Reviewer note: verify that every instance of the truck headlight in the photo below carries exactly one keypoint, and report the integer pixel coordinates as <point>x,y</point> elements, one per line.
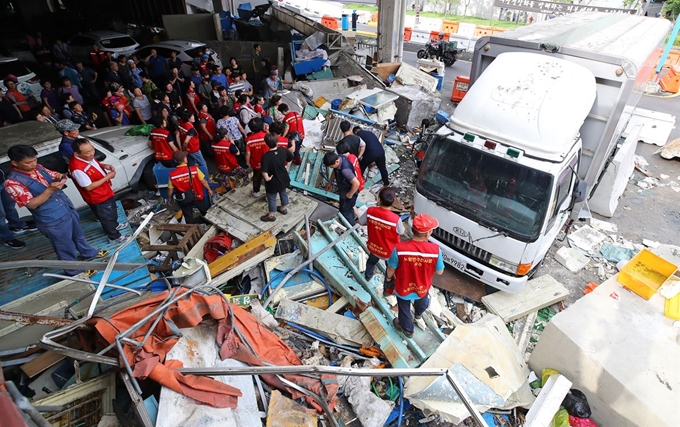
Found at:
<point>503,265</point>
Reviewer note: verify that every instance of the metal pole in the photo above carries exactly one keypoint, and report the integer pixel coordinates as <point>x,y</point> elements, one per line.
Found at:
<point>669,45</point>
<point>304,264</point>
<point>112,262</point>
<point>476,416</point>
<point>319,369</point>
<point>92,282</point>
<point>58,264</point>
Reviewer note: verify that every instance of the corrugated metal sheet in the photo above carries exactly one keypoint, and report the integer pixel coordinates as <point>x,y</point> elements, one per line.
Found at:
<point>23,281</point>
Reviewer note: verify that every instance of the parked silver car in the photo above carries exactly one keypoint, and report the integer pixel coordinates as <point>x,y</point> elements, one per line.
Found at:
<point>186,50</point>
<point>81,44</point>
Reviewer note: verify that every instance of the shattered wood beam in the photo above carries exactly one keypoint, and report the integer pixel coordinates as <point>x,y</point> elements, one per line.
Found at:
<point>238,255</point>
<point>31,319</point>
<point>69,265</point>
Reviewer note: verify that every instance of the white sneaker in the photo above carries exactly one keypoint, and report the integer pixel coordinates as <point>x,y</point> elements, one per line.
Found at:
<point>256,195</point>
<point>121,226</point>
<point>123,238</point>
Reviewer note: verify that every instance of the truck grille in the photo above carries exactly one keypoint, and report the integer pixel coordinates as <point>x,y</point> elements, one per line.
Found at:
<point>462,245</point>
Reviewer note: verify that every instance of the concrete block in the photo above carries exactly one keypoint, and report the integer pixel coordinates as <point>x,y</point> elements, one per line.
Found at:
<point>572,259</point>
<point>621,351</point>
<point>605,199</point>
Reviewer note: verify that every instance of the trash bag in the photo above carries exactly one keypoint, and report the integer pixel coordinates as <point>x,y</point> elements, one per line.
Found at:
<point>545,374</point>
<point>140,130</point>
<point>576,404</point>
<point>581,422</point>
<point>561,419</point>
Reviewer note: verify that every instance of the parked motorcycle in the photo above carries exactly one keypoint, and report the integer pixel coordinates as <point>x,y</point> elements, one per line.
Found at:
<point>447,54</point>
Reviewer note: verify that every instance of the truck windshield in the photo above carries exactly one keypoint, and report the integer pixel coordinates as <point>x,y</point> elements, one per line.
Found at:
<point>495,192</point>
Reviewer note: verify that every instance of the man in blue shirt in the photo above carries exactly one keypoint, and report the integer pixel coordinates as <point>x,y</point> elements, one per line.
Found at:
<point>69,132</point>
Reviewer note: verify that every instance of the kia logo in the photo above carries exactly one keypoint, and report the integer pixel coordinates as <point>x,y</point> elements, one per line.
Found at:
<point>459,231</point>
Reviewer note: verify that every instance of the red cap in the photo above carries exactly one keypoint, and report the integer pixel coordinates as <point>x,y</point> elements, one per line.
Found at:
<point>423,223</point>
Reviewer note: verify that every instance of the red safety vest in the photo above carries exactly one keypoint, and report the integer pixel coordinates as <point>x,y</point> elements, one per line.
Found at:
<point>417,265</point>
<point>159,141</point>
<point>209,125</point>
<point>97,195</point>
<point>180,180</point>
<point>256,146</point>
<point>295,123</point>
<point>382,231</point>
<point>194,144</point>
<point>97,57</point>
<point>225,161</point>
<point>357,169</point>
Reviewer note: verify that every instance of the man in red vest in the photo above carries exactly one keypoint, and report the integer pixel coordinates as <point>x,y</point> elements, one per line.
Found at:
<point>412,266</point>
<point>162,142</point>
<point>294,129</point>
<point>183,179</point>
<point>255,149</point>
<point>93,180</point>
<point>384,229</point>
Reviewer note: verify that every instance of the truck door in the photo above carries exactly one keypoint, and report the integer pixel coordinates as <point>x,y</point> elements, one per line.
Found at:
<point>558,214</point>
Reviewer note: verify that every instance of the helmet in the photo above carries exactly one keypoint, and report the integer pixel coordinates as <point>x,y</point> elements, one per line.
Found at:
<point>115,86</point>
<point>441,35</point>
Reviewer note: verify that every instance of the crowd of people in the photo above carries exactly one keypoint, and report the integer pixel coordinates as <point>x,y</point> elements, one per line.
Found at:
<point>215,111</point>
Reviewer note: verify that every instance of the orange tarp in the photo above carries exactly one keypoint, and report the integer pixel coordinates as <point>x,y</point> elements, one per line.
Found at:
<point>259,347</point>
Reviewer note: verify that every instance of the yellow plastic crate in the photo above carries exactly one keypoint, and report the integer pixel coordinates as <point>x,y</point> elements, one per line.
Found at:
<point>672,309</point>
<point>645,273</point>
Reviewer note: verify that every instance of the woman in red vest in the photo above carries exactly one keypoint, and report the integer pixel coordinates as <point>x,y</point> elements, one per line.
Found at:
<point>185,178</point>
<point>226,152</point>
<point>412,266</point>
<point>162,142</point>
<point>93,180</point>
<point>384,229</point>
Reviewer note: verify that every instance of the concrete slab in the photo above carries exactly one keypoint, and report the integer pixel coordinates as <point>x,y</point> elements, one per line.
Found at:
<point>621,352</point>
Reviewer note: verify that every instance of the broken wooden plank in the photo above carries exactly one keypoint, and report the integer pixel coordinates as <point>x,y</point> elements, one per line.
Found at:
<point>538,293</point>
<point>242,253</point>
<point>42,362</point>
<point>341,329</point>
<point>238,213</point>
<point>39,318</point>
<point>525,335</point>
<point>388,339</point>
<point>337,305</point>
<point>459,283</point>
<point>247,262</point>
<point>284,412</point>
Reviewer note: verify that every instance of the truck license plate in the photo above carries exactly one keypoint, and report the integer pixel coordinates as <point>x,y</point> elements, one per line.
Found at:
<point>454,262</point>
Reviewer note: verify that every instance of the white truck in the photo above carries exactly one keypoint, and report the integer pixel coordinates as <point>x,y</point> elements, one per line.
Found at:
<point>130,155</point>
<point>543,117</point>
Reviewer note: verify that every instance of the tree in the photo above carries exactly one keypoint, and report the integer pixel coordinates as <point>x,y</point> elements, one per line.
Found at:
<point>671,8</point>
<point>466,3</point>
<point>447,6</point>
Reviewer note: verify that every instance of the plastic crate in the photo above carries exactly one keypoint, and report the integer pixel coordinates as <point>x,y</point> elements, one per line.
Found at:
<point>450,46</point>
<point>645,273</point>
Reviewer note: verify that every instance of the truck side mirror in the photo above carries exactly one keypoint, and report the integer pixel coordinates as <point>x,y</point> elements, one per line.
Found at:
<point>580,192</point>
